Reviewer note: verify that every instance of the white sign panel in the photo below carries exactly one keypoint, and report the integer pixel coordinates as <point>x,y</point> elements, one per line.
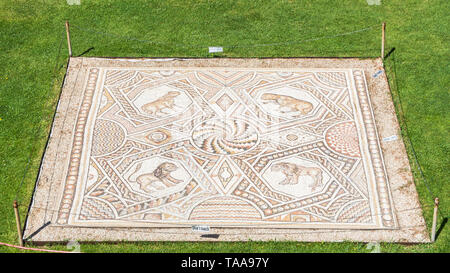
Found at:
<point>200,228</point>
<point>214,49</point>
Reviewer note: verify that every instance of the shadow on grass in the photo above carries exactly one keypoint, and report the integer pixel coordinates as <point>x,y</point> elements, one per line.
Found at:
<point>86,51</point>
<point>389,53</point>
<point>441,227</point>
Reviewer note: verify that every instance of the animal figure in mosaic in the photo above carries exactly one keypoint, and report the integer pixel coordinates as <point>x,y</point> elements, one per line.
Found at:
<point>293,171</point>
<point>165,102</point>
<point>149,182</point>
<point>291,103</point>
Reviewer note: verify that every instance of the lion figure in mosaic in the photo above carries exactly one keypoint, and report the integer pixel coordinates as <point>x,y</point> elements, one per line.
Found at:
<point>293,171</point>
<point>149,182</point>
<point>165,102</point>
<point>291,103</point>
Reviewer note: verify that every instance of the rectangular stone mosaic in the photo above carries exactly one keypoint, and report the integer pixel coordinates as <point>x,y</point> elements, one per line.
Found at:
<point>305,149</point>
<point>226,147</point>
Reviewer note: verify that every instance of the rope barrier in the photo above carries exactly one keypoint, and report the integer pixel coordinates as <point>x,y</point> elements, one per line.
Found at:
<point>227,234</point>
<point>281,232</point>
<point>403,121</point>
<point>308,40</point>
<point>40,124</point>
<point>34,249</point>
<point>223,46</point>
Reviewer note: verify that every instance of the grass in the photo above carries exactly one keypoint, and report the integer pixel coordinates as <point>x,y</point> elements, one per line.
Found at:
<point>32,69</point>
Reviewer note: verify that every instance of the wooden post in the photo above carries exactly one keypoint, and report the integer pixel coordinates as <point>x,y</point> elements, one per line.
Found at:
<point>433,228</point>
<point>383,28</point>
<point>69,46</point>
<point>19,228</point>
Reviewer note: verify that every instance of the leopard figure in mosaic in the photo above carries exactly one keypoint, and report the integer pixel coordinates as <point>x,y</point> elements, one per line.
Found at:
<point>292,173</point>
<point>291,103</point>
<point>165,102</point>
<point>148,182</point>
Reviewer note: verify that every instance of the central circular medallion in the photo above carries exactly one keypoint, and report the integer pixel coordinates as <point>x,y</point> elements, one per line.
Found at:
<point>224,136</point>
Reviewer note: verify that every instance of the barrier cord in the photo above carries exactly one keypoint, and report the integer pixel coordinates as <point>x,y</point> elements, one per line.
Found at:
<point>223,46</point>
<point>34,249</point>
<point>406,130</point>
<point>38,128</point>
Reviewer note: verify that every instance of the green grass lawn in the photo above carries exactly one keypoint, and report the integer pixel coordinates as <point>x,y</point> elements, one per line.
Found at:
<point>32,67</point>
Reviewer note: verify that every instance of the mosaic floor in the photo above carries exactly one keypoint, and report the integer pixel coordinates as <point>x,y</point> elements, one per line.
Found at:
<point>175,146</point>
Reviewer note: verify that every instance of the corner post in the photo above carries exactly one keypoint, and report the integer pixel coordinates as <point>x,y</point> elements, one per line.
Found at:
<point>383,30</point>
<point>435,212</point>
<point>19,228</point>
<point>69,46</point>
